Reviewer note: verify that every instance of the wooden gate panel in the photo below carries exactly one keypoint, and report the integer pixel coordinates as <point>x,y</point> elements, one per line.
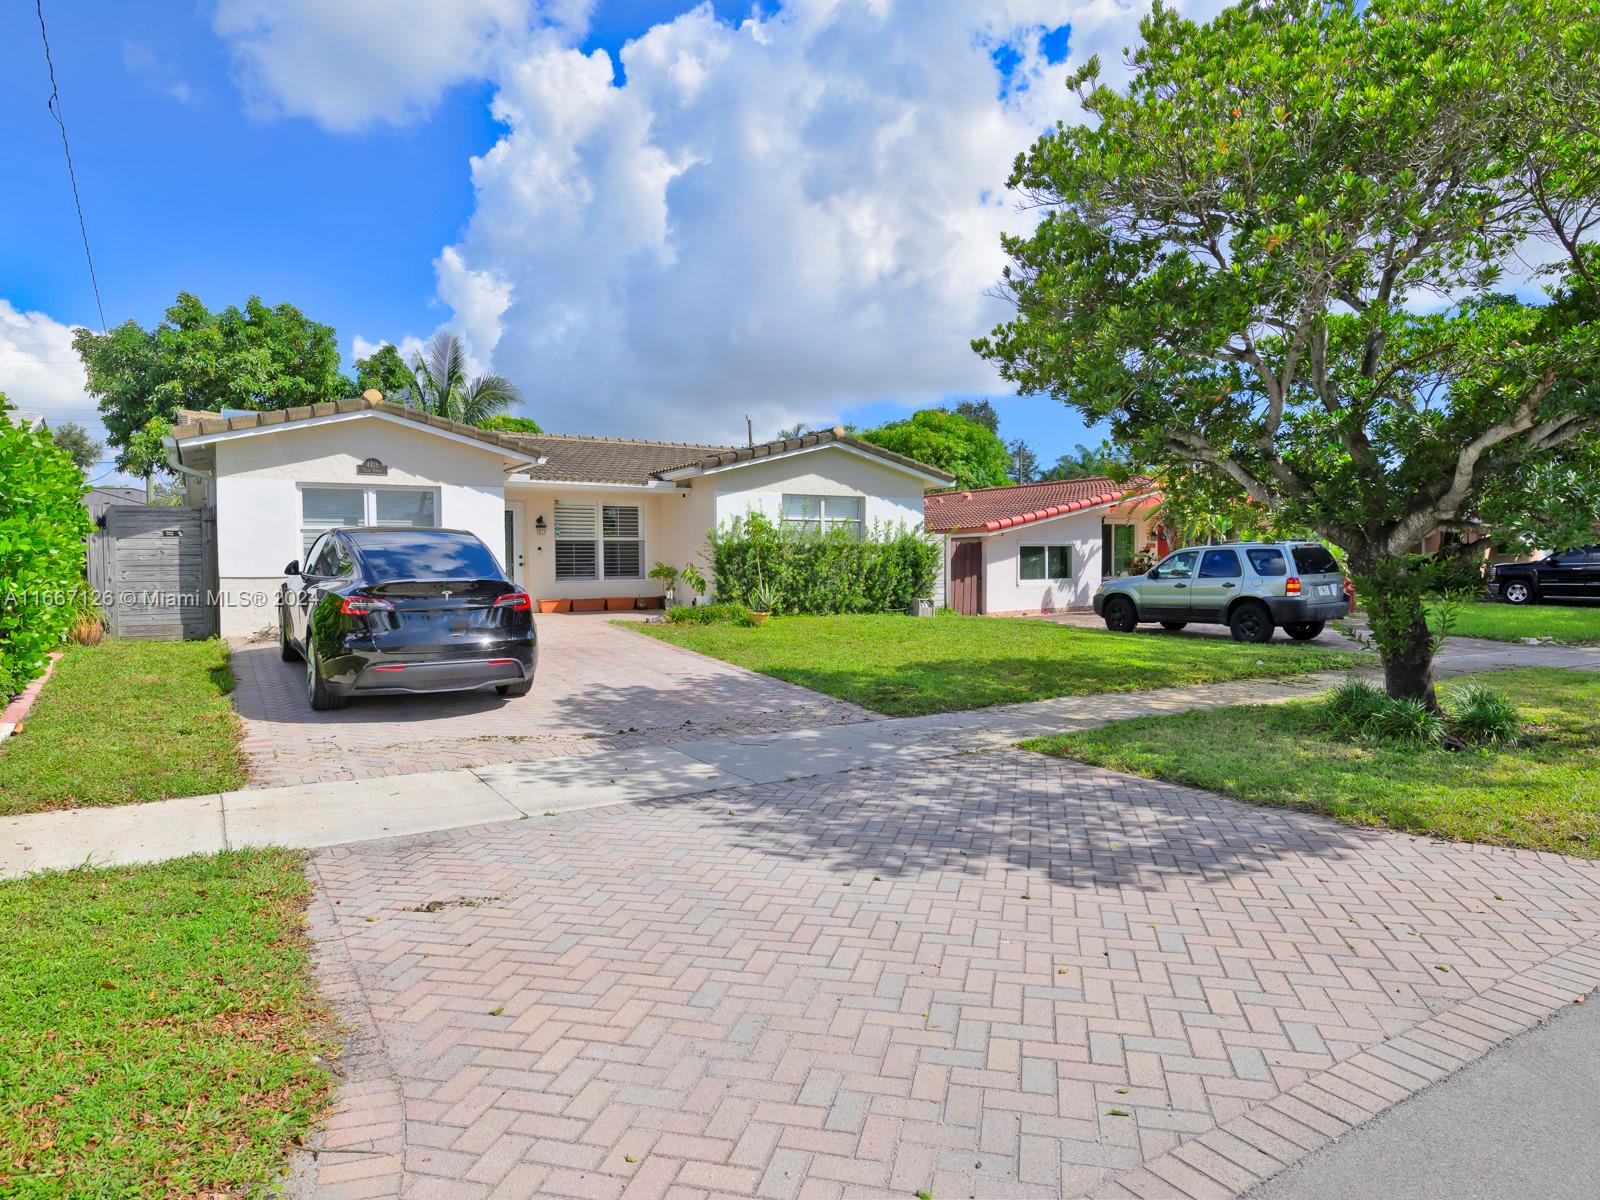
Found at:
<point>155,569</point>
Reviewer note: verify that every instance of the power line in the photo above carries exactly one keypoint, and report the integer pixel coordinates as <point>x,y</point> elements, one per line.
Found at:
<point>55,111</point>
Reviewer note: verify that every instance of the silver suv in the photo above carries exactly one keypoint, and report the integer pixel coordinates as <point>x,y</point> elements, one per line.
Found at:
<point>1250,587</point>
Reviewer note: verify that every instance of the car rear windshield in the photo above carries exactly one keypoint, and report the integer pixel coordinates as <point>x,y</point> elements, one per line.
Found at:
<point>424,554</point>
<point>1314,560</point>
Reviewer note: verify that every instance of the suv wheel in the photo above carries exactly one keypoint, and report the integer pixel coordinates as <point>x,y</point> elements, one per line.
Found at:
<point>1304,631</point>
<point>1250,622</point>
<point>322,697</point>
<point>1174,626</point>
<point>1121,616</point>
<point>1517,591</point>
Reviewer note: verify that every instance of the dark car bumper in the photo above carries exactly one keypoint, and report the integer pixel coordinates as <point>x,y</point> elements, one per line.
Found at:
<point>399,673</point>
<point>1288,609</point>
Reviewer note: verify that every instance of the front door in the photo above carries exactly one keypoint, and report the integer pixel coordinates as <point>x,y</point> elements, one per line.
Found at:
<point>513,547</point>
<point>966,577</point>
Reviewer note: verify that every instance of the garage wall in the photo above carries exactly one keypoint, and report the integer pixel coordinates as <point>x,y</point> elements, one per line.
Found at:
<point>257,495</point>
<point>539,556</point>
<point>1006,591</point>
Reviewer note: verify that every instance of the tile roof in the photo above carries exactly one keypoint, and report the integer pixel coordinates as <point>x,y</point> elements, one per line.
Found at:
<point>987,510</point>
<point>568,458</point>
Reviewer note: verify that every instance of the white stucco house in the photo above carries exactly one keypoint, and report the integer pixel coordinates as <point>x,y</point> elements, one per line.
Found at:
<point>576,520</point>
<point>1040,547</point>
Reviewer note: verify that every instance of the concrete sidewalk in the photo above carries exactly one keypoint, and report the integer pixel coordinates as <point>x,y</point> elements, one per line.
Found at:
<point>327,814</point>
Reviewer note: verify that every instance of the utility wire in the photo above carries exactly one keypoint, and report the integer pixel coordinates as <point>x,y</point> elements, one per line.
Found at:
<point>55,111</point>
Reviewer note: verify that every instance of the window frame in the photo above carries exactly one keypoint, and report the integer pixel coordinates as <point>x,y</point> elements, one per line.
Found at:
<point>1069,548</point>
<point>600,540</point>
<point>369,505</point>
<point>1231,551</point>
<point>822,522</point>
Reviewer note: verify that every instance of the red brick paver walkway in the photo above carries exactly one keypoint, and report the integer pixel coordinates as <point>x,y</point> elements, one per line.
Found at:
<point>993,975</point>
<point>598,687</point>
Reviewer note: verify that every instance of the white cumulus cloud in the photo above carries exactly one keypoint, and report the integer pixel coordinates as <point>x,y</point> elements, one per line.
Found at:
<point>39,369</point>
<point>352,63</point>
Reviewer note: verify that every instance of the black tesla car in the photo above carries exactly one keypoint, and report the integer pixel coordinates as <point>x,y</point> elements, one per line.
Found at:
<point>380,611</point>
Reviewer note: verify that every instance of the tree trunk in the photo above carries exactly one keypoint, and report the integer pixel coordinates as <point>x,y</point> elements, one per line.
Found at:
<point>1408,663</point>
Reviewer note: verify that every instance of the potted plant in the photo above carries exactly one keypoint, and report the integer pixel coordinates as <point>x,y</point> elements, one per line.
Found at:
<point>762,601</point>
<point>667,574</point>
<point>691,575</point>
<point>87,623</point>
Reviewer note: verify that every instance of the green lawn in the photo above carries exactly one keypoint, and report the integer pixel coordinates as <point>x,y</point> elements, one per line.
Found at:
<point>912,665</point>
<point>159,1028</point>
<point>1569,624</point>
<point>1544,795</point>
<point>122,722</point>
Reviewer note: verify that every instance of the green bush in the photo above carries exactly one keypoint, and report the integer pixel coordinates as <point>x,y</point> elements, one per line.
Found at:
<point>1482,716</point>
<point>43,525</point>
<point>1347,708</point>
<point>1407,722</point>
<point>710,614</point>
<point>833,572</point>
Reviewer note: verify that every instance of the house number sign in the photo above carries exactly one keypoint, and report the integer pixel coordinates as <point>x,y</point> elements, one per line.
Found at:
<point>372,466</point>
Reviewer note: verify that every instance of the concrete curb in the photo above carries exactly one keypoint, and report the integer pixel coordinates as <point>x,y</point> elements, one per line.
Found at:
<point>23,701</point>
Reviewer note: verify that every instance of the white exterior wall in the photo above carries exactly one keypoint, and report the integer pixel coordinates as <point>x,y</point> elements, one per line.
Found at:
<point>893,496</point>
<point>1005,591</point>
<point>257,493</point>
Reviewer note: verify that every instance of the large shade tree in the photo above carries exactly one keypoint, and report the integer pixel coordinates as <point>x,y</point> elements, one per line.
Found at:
<point>1290,252</point>
<point>969,451</point>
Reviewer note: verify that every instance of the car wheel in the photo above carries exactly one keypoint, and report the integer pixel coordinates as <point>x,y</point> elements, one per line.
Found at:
<point>1250,623</point>
<point>322,697</point>
<point>1174,626</point>
<point>1304,631</point>
<point>1121,616</point>
<point>286,650</point>
<point>515,689</point>
<point>1517,592</point>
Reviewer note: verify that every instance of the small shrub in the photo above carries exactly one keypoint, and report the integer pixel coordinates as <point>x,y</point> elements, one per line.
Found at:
<point>1347,708</point>
<point>711,614</point>
<point>1482,716</point>
<point>1407,722</point>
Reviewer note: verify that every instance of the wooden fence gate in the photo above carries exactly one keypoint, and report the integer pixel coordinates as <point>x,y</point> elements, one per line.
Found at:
<point>155,570</point>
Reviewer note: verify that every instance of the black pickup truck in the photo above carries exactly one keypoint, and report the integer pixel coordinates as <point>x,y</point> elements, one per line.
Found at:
<point>1570,575</point>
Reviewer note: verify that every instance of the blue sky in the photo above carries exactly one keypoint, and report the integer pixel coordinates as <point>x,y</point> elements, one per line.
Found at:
<point>197,175</point>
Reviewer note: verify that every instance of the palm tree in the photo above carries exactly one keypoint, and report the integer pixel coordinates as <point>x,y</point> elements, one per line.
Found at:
<point>797,430</point>
<point>442,386</point>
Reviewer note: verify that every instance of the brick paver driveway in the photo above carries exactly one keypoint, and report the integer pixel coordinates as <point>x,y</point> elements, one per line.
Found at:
<point>991,975</point>
<point>598,687</point>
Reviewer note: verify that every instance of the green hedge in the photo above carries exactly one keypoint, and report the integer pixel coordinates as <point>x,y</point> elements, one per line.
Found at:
<point>832,572</point>
<point>43,525</point>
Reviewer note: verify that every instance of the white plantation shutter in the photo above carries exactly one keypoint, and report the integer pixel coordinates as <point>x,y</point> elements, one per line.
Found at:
<point>577,527</point>
<point>624,545</point>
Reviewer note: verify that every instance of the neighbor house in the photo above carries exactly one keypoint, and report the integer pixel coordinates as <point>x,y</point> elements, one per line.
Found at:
<point>573,519</point>
<point>1040,547</point>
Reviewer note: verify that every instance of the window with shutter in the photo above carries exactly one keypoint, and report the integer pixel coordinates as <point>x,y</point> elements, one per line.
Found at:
<point>623,541</point>
<point>577,526</point>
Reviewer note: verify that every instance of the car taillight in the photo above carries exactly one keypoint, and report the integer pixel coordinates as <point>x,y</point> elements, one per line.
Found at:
<point>360,606</point>
<point>515,601</point>
<point>1291,586</point>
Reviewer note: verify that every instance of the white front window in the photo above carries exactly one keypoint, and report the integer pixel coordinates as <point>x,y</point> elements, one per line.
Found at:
<point>815,514</point>
<point>591,538</point>
<point>1040,563</point>
<point>324,508</point>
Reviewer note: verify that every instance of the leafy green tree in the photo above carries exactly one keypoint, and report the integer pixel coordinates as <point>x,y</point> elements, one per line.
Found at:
<point>502,423</point>
<point>1024,466</point>
<point>980,412</point>
<point>258,357</point>
<point>1244,252</point>
<point>75,440</point>
<point>442,386</point>
<point>145,454</point>
<point>385,371</point>
<point>5,403</point>
<point>973,454</point>
<point>1554,504</point>
<point>1087,461</point>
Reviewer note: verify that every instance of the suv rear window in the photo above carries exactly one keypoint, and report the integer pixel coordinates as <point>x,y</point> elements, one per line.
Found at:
<point>424,554</point>
<point>1314,560</point>
<point>1268,564</point>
